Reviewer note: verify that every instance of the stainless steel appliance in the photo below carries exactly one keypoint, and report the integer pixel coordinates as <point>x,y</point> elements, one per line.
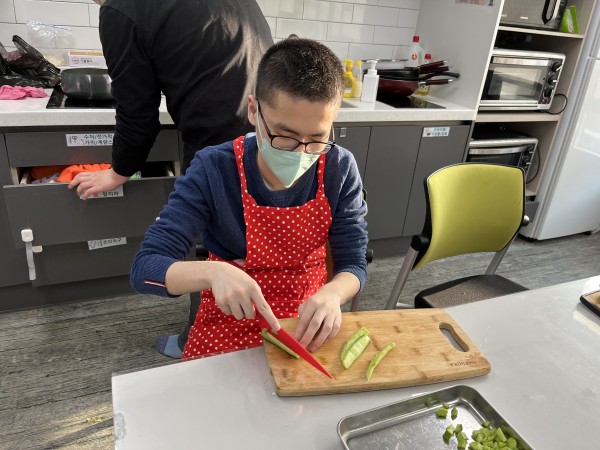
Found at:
<point>543,14</point>
<point>505,147</point>
<point>521,80</point>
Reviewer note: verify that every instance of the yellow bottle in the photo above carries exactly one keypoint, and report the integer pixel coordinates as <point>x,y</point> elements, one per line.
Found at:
<point>348,79</point>
<point>357,89</point>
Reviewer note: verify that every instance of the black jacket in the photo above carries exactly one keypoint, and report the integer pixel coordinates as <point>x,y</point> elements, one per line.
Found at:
<point>202,54</point>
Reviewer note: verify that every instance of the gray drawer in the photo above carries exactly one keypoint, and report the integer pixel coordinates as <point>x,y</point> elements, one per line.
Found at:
<point>50,148</point>
<point>57,216</point>
<point>76,262</point>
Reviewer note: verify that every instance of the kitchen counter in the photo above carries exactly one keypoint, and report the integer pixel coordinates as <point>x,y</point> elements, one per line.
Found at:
<point>32,112</point>
<point>543,345</point>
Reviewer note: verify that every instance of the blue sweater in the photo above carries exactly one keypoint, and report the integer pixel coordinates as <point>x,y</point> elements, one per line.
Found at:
<point>207,203</point>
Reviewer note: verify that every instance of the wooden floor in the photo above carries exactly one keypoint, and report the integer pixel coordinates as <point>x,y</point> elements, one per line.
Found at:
<point>56,362</point>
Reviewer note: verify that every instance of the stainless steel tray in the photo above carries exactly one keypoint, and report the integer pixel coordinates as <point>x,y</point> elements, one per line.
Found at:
<point>412,423</point>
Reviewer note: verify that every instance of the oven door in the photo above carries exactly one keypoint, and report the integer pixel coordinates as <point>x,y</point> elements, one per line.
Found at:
<point>515,83</point>
<point>508,156</point>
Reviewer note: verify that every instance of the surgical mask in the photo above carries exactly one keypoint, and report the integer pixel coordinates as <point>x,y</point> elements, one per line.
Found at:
<point>287,166</point>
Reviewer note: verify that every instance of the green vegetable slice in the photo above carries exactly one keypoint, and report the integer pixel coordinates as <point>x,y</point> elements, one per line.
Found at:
<point>277,343</point>
<point>351,341</point>
<point>355,351</point>
<point>454,413</point>
<point>377,359</point>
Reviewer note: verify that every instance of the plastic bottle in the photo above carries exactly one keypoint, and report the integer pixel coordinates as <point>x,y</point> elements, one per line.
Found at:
<point>415,53</point>
<point>348,79</point>
<point>358,80</point>
<point>424,90</point>
<point>370,83</point>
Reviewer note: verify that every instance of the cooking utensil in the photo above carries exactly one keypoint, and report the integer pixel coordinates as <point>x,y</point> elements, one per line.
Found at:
<point>86,83</point>
<point>423,354</point>
<point>403,75</point>
<point>414,72</point>
<point>415,421</point>
<point>285,338</point>
<point>405,88</point>
<point>592,301</point>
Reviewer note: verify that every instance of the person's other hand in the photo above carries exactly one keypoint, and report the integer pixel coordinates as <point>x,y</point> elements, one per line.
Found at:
<point>93,183</point>
<point>320,319</point>
<point>237,293</point>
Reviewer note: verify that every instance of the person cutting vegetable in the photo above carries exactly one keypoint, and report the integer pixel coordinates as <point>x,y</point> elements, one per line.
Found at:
<point>265,205</point>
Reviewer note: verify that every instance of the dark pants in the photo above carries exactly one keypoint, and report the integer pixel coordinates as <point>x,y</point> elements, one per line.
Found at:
<point>195,298</point>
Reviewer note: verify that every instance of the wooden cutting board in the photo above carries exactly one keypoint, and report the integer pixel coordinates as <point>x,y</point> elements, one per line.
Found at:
<point>422,355</point>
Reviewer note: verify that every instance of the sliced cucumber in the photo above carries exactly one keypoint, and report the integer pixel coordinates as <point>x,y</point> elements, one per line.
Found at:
<point>355,351</point>
<point>277,343</point>
<point>377,359</point>
<point>351,341</point>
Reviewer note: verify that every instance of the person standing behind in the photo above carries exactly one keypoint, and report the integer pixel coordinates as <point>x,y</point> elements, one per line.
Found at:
<point>203,56</point>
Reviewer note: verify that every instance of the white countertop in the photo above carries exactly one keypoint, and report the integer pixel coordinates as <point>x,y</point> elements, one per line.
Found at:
<point>543,345</point>
<point>32,112</point>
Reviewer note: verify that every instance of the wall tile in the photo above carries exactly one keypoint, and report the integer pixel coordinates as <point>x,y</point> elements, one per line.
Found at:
<point>7,11</point>
<point>393,36</point>
<point>8,30</point>
<point>374,15</point>
<point>343,32</point>
<point>361,2</point>
<point>282,8</point>
<point>407,18</point>
<point>86,39</point>
<point>272,21</point>
<point>303,28</point>
<point>408,4</point>
<point>328,11</point>
<point>55,13</point>
<point>94,13</point>
<point>339,48</point>
<point>369,51</point>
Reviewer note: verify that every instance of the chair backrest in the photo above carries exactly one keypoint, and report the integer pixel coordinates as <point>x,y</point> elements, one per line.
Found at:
<point>471,208</point>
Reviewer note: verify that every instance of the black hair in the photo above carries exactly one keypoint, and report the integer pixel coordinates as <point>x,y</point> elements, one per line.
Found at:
<point>303,68</point>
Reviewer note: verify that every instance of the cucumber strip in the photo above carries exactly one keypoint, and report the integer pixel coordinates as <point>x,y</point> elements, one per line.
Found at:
<point>277,343</point>
<point>352,340</point>
<point>377,359</point>
<point>355,351</point>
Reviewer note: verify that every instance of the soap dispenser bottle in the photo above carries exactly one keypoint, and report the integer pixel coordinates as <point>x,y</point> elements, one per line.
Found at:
<point>370,83</point>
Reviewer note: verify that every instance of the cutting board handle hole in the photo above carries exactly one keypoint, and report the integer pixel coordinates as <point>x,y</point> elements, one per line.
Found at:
<point>456,342</point>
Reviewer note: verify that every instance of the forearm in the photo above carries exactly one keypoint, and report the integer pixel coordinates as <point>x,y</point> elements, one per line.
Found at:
<point>343,287</point>
<point>184,277</point>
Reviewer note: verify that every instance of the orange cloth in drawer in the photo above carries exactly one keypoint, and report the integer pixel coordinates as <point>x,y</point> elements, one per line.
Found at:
<point>69,173</point>
<point>40,172</point>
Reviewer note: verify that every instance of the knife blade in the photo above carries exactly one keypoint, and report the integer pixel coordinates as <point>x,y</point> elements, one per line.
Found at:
<point>287,339</point>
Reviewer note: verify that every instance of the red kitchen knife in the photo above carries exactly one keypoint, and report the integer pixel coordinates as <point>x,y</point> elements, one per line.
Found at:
<point>287,339</point>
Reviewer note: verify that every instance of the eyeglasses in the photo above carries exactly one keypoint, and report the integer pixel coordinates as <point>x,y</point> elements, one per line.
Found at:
<point>289,144</point>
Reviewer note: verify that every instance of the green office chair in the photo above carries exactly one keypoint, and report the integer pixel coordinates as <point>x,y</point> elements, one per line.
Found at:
<point>471,208</point>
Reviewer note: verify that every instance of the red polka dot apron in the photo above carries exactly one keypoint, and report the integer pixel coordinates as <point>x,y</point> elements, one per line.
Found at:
<point>285,255</point>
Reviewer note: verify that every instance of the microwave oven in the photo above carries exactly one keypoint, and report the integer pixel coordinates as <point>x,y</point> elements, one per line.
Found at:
<point>521,80</point>
<point>542,14</point>
<point>503,147</point>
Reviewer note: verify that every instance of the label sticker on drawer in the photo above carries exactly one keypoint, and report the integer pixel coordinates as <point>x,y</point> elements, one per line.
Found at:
<point>102,243</point>
<point>118,192</point>
<point>89,139</point>
<point>436,131</point>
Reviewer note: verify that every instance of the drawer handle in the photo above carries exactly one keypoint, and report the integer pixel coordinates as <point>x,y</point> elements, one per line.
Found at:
<point>30,249</point>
